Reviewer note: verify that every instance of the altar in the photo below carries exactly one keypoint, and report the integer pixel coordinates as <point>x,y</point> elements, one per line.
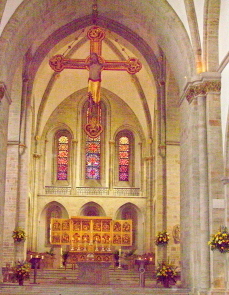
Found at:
<point>92,241</point>
<point>96,273</point>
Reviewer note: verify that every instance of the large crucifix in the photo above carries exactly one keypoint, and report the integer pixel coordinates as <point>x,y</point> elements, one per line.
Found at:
<point>95,64</point>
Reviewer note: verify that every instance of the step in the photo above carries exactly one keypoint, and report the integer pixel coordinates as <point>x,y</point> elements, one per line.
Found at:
<point>57,289</point>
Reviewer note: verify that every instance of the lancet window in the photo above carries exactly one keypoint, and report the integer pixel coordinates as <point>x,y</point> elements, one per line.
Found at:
<point>93,154</point>
<point>63,153</point>
<point>125,158</point>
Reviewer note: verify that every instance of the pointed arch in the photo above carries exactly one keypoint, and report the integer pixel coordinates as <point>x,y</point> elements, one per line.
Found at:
<point>131,211</point>
<point>92,209</point>
<point>51,210</point>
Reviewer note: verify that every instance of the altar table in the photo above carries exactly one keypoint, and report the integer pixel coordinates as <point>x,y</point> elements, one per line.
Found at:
<point>91,272</point>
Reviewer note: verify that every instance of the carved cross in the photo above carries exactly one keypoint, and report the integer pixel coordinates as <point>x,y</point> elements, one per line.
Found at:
<point>95,35</point>
<point>95,64</point>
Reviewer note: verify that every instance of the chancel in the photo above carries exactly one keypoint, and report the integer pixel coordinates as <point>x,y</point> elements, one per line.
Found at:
<point>91,242</point>
<point>114,147</point>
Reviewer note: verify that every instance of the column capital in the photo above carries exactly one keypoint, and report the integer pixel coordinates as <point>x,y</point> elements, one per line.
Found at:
<point>149,158</point>
<point>225,180</point>
<point>201,86</point>
<point>3,93</point>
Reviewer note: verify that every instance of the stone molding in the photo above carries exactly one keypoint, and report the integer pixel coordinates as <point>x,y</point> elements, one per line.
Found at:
<point>3,93</point>
<point>225,180</point>
<point>201,85</point>
<point>202,89</point>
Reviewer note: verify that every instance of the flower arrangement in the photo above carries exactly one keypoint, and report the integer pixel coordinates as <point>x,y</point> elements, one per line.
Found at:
<point>220,240</point>
<point>162,238</point>
<point>166,273</point>
<point>19,234</point>
<point>21,271</point>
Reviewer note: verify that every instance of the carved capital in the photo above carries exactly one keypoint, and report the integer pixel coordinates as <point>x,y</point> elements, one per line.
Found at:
<point>202,89</point>
<point>150,158</point>
<point>225,180</point>
<point>36,156</point>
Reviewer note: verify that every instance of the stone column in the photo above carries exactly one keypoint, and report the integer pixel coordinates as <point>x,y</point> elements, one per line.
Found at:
<point>207,157</point>
<point>111,165</point>
<point>73,166</point>
<point>23,166</point>
<point>149,204</point>
<point>203,194</point>
<point>4,113</point>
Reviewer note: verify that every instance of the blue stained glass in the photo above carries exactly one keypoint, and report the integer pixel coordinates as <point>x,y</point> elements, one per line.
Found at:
<point>62,175</point>
<point>124,158</point>
<point>62,157</point>
<point>92,159</point>
<point>123,168</point>
<point>93,152</point>
<point>92,173</point>
<point>123,176</point>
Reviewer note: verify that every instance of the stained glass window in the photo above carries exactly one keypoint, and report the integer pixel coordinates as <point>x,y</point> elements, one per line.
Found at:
<point>93,156</point>
<point>62,157</point>
<point>93,146</point>
<point>124,158</point>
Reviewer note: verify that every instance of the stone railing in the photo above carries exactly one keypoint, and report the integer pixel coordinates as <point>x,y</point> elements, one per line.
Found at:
<point>92,191</point>
<point>58,190</point>
<point>124,191</point>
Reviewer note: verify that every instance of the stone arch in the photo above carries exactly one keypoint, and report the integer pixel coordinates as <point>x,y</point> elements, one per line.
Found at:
<point>92,209</point>
<point>131,211</point>
<point>52,209</point>
<point>72,19</point>
<point>210,42</point>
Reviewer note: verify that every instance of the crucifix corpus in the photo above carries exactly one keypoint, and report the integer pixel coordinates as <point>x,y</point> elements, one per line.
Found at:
<point>95,64</point>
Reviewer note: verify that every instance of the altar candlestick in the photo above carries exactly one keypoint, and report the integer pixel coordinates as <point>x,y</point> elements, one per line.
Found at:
<point>78,248</point>
<point>119,260</point>
<point>96,244</point>
<point>109,241</point>
<point>85,241</point>
<point>102,240</point>
<point>72,248</point>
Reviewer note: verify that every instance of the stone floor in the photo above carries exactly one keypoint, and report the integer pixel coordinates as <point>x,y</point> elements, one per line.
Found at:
<point>61,289</point>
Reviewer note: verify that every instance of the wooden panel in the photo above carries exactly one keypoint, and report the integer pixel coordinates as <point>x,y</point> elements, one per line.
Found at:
<point>79,231</point>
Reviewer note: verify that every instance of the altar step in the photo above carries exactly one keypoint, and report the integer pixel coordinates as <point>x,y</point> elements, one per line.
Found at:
<point>117,277</point>
<point>69,276</point>
<point>64,282</point>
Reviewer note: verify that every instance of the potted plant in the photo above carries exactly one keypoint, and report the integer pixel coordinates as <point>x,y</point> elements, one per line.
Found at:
<point>220,240</point>
<point>162,238</point>
<point>18,234</point>
<point>166,274</point>
<point>21,271</point>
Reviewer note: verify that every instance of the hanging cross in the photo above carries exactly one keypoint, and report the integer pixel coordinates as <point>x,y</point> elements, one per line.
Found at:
<point>95,64</point>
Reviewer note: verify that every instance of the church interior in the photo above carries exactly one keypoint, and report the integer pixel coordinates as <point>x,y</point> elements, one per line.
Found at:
<point>114,131</point>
